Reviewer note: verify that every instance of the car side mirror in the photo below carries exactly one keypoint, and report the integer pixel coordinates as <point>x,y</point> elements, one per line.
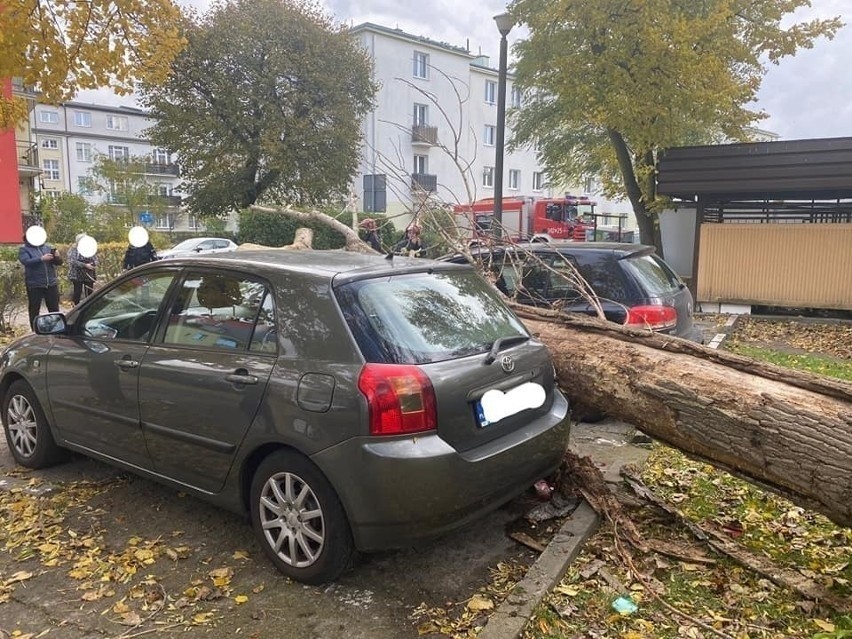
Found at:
<point>198,249</point>
<point>50,324</point>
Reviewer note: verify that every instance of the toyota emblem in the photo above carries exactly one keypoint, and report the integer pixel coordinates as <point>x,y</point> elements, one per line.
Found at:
<point>507,364</point>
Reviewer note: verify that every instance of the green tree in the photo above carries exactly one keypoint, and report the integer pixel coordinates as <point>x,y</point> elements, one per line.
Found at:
<point>128,191</point>
<point>611,83</point>
<point>60,46</point>
<point>65,217</point>
<point>264,105</point>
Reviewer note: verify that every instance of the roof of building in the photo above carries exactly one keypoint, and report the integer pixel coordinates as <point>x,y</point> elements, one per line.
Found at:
<point>125,110</point>
<point>399,33</point>
<point>815,169</point>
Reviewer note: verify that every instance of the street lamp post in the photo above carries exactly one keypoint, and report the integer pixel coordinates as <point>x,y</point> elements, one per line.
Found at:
<point>504,25</point>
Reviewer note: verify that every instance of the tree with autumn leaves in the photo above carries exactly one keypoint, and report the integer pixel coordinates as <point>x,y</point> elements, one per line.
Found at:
<point>612,83</point>
<point>58,47</point>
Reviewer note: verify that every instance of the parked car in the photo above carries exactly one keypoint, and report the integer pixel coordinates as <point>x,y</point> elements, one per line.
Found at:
<point>344,401</point>
<point>198,246</point>
<point>634,285</point>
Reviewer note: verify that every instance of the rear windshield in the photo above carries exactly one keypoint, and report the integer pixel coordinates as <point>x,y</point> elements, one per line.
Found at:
<point>425,317</point>
<point>655,276</point>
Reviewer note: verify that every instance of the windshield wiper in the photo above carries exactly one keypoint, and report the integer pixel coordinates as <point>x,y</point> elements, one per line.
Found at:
<point>502,342</point>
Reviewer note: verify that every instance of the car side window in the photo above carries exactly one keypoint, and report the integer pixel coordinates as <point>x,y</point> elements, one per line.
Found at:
<point>219,244</point>
<point>204,246</point>
<point>221,311</point>
<point>562,273</point>
<point>128,310</point>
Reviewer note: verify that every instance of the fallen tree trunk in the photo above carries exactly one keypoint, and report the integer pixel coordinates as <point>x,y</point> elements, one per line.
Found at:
<point>785,430</point>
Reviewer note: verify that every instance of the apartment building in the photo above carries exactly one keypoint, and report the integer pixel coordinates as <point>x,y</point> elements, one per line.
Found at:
<point>434,128</point>
<point>70,138</point>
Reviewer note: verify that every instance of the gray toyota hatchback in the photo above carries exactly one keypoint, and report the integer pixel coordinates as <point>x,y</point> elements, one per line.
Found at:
<point>343,401</point>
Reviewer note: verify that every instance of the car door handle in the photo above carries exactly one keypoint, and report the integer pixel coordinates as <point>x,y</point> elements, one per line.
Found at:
<point>242,378</point>
<point>126,364</point>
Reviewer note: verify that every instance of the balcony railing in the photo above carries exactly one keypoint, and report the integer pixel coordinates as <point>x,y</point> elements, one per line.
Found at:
<point>424,182</point>
<point>162,169</point>
<point>28,159</point>
<point>423,134</point>
<point>150,200</point>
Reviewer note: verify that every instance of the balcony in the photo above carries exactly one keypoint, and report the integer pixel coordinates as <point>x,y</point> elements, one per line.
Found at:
<point>424,182</point>
<point>150,200</point>
<point>422,134</point>
<point>162,169</point>
<point>27,159</point>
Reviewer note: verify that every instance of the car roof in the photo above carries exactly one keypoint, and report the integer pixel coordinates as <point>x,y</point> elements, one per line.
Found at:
<point>339,265</point>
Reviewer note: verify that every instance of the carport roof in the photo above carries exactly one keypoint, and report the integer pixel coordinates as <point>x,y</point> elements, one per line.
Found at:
<point>817,169</point>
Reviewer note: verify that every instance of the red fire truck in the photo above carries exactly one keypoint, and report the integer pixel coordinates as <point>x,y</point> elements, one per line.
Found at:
<point>527,217</point>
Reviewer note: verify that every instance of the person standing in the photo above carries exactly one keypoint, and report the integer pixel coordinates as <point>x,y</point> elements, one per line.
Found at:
<point>137,255</point>
<point>40,261</point>
<point>81,271</point>
<point>372,232</point>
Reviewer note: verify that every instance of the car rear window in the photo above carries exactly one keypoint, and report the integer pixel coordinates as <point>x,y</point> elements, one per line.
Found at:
<point>425,317</point>
<point>654,275</point>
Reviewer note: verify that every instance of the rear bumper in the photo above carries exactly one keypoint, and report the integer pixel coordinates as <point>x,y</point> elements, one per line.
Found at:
<point>397,491</point>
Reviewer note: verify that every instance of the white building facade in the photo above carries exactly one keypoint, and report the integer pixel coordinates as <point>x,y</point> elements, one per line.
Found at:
<point>434,127</point>
<point>71,137</point>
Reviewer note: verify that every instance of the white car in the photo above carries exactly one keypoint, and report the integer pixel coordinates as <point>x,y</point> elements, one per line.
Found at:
<point>198,246</point>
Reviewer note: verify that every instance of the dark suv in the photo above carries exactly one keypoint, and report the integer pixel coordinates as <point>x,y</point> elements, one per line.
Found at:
<point>342,400</point>
<point>635,286</point>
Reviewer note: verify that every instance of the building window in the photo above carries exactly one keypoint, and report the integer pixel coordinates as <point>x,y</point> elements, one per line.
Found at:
<point>514,179</point>
<point>375,193</point>
<point>490,135</point>
<point>193,223</point>
<point>164,222</point>
<point>50,143</point>
<point>421,65</point>
<point>51,169</point>
<point>538,181</point>
<point>84,152</point>
<point>516,97</point>
<point>50,194</point>
<point>83,118</point>
<point>164,190</point>
<point>116,123</point>
<point>421,114</point>
<point>490,92</point>
<point>488,176</point>
<point>84,185</point>
<point>48,117</point>
<point>589,185</point>
<point>119,153</point>
<point>421,164</point>
<point>160,156</point>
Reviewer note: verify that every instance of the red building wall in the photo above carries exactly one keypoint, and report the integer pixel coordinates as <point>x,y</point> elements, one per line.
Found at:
<point>10,197</point>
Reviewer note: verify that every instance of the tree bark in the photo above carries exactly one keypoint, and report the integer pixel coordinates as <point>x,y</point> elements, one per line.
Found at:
<point>784,430</point>
<point>353,242</point>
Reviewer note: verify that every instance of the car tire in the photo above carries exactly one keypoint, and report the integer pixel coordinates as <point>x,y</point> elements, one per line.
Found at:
<point>27,431</point>
<point>312,549</point>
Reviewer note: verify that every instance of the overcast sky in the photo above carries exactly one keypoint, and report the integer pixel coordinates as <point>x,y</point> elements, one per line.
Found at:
<point>809,95</point>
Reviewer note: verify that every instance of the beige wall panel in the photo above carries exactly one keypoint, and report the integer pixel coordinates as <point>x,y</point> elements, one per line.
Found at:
<point>794,265</point>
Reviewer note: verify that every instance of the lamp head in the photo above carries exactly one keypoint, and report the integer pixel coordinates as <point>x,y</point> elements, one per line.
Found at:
<point>505,22</point>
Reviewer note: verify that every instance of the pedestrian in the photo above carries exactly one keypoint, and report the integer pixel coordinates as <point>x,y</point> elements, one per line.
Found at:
<point>140,250</point>
<point>40,261</point>
<point>413,244</point>
<point>373,239</point>
<point>81,271</point>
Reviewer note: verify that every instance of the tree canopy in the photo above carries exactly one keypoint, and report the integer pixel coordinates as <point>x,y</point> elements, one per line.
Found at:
<point>613,82</point>
<point>58,47</point>
<point>265,105</point>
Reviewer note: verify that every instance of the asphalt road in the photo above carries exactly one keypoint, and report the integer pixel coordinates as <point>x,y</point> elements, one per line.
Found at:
<point>114,515</point>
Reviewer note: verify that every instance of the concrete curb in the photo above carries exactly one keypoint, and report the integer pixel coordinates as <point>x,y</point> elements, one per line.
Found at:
<point>512,616</point>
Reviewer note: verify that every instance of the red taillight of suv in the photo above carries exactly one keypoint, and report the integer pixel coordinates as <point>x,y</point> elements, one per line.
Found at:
<point>400,399</point>
<point>657,318</point>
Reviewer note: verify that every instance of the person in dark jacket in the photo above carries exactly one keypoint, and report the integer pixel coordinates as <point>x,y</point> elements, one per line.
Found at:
<point>412,245</point>
<point>137,255</point>
<point>372,232</point>
<point>40,264</point>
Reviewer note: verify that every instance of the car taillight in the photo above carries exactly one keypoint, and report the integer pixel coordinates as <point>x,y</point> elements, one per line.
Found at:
<point>657,318</point>
<point>400,399</point>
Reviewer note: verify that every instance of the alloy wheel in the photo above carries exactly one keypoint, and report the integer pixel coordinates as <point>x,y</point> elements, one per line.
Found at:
<point>292,520</point>
<point>22,425</point>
